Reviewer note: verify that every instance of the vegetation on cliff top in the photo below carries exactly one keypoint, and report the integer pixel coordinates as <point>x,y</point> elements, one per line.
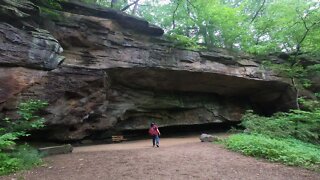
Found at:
<point>254,26</point>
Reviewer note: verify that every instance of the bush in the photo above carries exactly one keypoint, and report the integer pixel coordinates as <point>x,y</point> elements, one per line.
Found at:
<point>302,125</point>
<point>184,42</point>
<point>309,104</point>
<point>8,164</point>
<point>12,157</point>
<point>287,151</point>
<point>22,157</point>
<point>28,155</point>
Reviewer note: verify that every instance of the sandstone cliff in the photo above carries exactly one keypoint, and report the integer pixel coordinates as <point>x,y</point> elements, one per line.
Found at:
<point>104,71</point>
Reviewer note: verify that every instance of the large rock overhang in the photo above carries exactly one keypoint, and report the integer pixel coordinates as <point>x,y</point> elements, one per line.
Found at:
<point>139,60</point>
<point>270,95</point>
<point>201,82</point>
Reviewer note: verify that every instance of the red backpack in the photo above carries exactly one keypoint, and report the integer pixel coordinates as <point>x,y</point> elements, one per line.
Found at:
<point>153,131</point>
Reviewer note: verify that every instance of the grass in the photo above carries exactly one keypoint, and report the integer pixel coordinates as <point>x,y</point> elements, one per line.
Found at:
<point>287,151</point>
<point>22,158</point>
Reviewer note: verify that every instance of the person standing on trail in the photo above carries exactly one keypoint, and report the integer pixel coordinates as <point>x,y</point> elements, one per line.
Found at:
<point>155,133</point>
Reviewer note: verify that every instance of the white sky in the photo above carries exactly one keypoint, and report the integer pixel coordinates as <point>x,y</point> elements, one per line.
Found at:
<point>160,2</point>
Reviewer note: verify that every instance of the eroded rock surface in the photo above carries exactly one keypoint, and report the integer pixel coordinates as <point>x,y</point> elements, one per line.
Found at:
<point>33,49</point>
<point>119,74</point>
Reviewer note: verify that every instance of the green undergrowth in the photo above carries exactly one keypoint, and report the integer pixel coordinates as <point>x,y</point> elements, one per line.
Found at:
<point>52,4</point>
<point>290,138</point>
<point>287,151</point>
<point>51,14</point>
<point>14,157</point>
<point>21,158</point>
<point>297,124</point>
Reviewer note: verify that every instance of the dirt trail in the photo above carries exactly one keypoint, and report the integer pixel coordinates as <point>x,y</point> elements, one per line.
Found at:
<point>140,144</point>
<point>177,158</point>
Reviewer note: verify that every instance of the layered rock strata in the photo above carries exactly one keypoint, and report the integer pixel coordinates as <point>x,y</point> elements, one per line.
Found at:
<point>117,73</point>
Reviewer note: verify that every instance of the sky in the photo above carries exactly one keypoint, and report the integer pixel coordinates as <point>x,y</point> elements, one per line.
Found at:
<point>160,2</point>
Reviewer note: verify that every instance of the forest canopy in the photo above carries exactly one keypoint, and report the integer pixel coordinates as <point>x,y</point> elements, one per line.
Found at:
<point>254,26</point>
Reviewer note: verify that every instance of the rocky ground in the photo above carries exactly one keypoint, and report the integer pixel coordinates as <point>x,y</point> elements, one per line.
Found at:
<point>177,158</point>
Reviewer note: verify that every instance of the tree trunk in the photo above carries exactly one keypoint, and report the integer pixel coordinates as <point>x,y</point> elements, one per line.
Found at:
<point>135,8</point>
<point>297,90</point>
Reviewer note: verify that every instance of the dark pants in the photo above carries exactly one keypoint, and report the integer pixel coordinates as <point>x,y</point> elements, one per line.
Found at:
<point>155,140</point>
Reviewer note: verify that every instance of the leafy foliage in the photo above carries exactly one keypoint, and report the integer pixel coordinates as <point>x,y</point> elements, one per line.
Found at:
<point>254,26</point>
<point>287,69</point>
<point>52,4</point>
<point>184,42</point>
<point>23,157</point>
<point>315,67</point>
<point>288,151</point>
<point>116,4</point>
<point>12,157</point>
<point>309,104</point>
<point>302,125</point>
<point>27,121</point>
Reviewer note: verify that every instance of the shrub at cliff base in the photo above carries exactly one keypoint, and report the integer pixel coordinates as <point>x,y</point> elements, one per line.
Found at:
<point>290,138</point>
<point>298,124</point>
<point>12,156</point>
<point>288,151</point>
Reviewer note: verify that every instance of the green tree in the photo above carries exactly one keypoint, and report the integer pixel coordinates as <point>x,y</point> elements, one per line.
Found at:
<point>254,26</point>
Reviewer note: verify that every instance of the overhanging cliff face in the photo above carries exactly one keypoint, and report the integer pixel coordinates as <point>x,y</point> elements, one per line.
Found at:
<point>116,74</point>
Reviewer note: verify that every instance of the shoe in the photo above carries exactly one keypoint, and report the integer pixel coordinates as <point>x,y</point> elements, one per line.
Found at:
<point>157,145</point>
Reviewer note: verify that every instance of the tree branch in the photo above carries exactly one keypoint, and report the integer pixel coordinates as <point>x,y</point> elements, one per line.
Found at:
<point>189,11</point>
<point>191,4</point>
<point>135,8</point>
<point>129,5</point>
<point>298,46</point>
<point>259,10</point>
<point>174,14</point>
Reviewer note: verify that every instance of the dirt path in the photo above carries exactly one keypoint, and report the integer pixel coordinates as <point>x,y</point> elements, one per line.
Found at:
<point>177,158</point>
<point>141,144</point>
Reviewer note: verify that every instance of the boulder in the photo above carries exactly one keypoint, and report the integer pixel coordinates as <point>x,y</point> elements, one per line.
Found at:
<point>54,150</point>
<point>209,138</point>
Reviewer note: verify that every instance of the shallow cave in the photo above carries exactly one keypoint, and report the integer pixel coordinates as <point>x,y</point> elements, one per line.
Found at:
<point>264,96</point>
<point>183,130</point>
